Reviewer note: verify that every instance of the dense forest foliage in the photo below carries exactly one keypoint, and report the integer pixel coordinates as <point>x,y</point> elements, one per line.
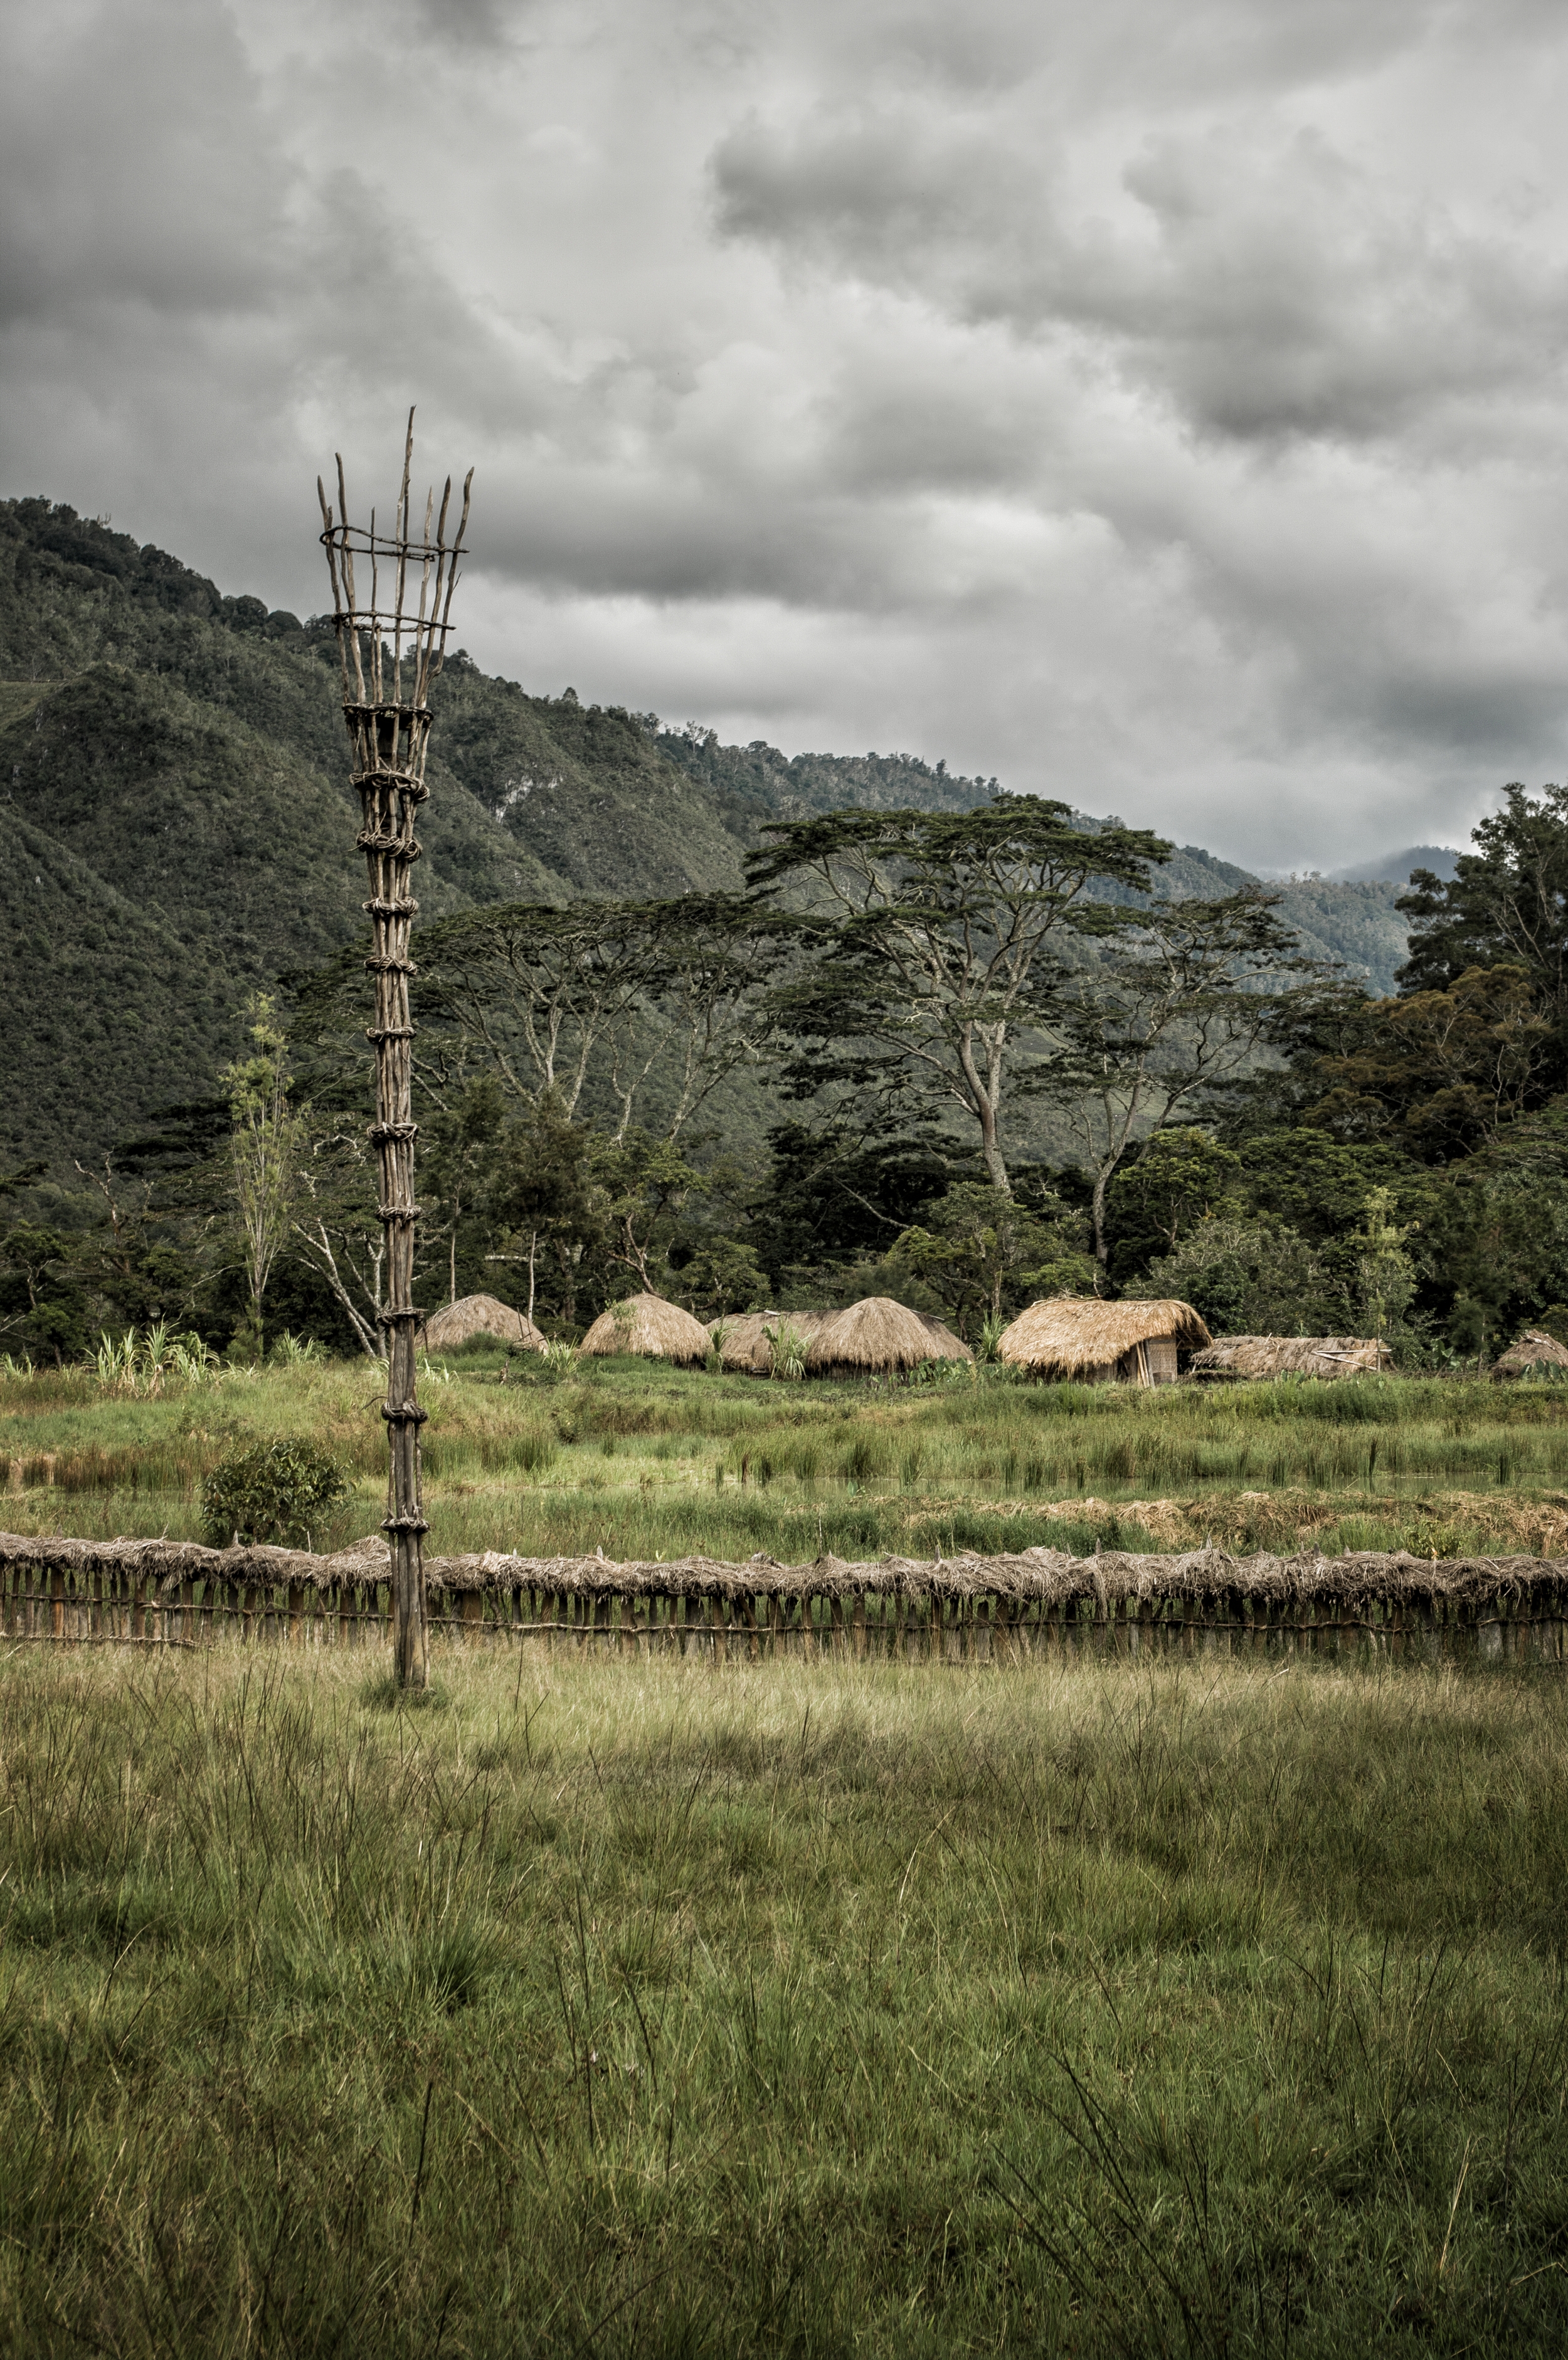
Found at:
<point>742,1028</point>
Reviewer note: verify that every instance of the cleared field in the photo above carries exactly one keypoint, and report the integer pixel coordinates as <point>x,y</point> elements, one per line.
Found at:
<point>635,2009</point>
<point>643,1461</point>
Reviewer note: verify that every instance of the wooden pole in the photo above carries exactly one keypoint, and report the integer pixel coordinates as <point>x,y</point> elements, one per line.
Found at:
<point>390,651</point>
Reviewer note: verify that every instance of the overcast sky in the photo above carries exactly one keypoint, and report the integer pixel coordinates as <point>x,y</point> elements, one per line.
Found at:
<point>1156,405</point>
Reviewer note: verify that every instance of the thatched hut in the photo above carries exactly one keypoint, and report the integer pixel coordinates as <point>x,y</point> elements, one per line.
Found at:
<point>647,1324</point>
<point>1292,1356</point>
<point>480,1315</point>
<point>1099,1343</point>
<point>1531,1355</point>
<point>877,1336</point>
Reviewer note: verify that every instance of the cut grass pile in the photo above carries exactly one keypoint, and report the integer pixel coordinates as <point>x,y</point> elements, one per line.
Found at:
<point>647,1461</point>
<point>633,2009</point>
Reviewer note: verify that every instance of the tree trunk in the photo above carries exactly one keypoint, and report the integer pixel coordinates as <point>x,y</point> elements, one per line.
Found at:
<point>1101,1182</point>
<point>990,1148</point>
<point>983,1105</point>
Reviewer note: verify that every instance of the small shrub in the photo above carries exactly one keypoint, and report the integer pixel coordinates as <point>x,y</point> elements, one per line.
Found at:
<point>291,1351</point>
<point>192,1360</point>
<point>790,1347</point>
<point>118,1363</point>
<point>281,1492</point>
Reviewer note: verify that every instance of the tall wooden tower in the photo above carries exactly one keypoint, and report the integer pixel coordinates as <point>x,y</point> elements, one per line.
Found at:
<point>391,642</point>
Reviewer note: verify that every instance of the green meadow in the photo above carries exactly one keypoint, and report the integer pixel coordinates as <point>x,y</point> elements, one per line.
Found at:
<point>651,2008</point>
<point>646,1461</point>
<point>639,2008</point>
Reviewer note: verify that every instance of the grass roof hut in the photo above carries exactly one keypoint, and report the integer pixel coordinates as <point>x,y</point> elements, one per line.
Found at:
<point>1103,1343</point>
<point>1292,1356</point>
<point>874,1337</point>
<point>647,1324</point>
<point>480,1315</point>
<point>1531,1355</point>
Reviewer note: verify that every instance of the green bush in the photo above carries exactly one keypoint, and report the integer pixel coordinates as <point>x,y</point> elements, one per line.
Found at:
<point>281,1492</point>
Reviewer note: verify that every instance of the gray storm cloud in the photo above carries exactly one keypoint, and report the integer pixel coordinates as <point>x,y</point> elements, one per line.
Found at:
<point>1161,408</point>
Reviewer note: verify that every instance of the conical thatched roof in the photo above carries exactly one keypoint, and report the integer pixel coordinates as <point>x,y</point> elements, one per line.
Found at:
<point>1532,1351</point>
<point>1068,1333</point>
<point>879,1334</point>
<point>648,1324</point>
<point>1292,1356</point>
<point>953,1347</point>
<point>480,1315</point>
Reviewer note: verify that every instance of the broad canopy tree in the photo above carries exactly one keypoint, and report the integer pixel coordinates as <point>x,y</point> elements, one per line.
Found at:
<point>1505,906</point>
<point>936,950</point>
<point>548,998</point>
<point>968,958</point>
<point>1179,1005</point>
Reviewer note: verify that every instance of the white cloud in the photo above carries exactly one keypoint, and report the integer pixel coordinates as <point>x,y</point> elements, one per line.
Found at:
<point>1161,407</point>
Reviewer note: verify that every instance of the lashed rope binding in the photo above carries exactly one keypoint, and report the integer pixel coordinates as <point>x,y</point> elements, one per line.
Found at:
<point>391,651</point>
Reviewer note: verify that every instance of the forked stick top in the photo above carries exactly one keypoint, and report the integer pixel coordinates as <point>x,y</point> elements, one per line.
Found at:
<point>377,635</point>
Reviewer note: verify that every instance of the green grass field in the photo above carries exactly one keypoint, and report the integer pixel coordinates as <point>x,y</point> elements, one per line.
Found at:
<point>642,2009</point>
<point>646,1461</point>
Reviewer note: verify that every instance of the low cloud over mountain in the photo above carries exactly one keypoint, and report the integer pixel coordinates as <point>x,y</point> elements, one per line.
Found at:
<point>1161,408</point>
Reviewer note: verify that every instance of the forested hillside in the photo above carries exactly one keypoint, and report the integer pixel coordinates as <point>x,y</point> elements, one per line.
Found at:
<point>176,764</point>
<point>176,772</point>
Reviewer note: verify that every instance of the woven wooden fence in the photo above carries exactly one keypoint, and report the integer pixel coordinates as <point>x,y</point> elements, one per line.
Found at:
<point>965,1609</point>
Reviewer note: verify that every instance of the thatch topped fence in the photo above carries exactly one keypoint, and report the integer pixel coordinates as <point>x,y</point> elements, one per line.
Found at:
<point>968,1607</point>
<point>1264,1357</point>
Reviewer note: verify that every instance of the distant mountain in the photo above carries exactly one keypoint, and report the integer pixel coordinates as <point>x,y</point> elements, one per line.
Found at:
<point>1354,925</point>
<point>1394,867</point>
<point>182,830</point>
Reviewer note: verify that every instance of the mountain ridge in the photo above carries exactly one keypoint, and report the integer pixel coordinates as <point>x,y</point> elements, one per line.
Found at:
<point>1395,867</point>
